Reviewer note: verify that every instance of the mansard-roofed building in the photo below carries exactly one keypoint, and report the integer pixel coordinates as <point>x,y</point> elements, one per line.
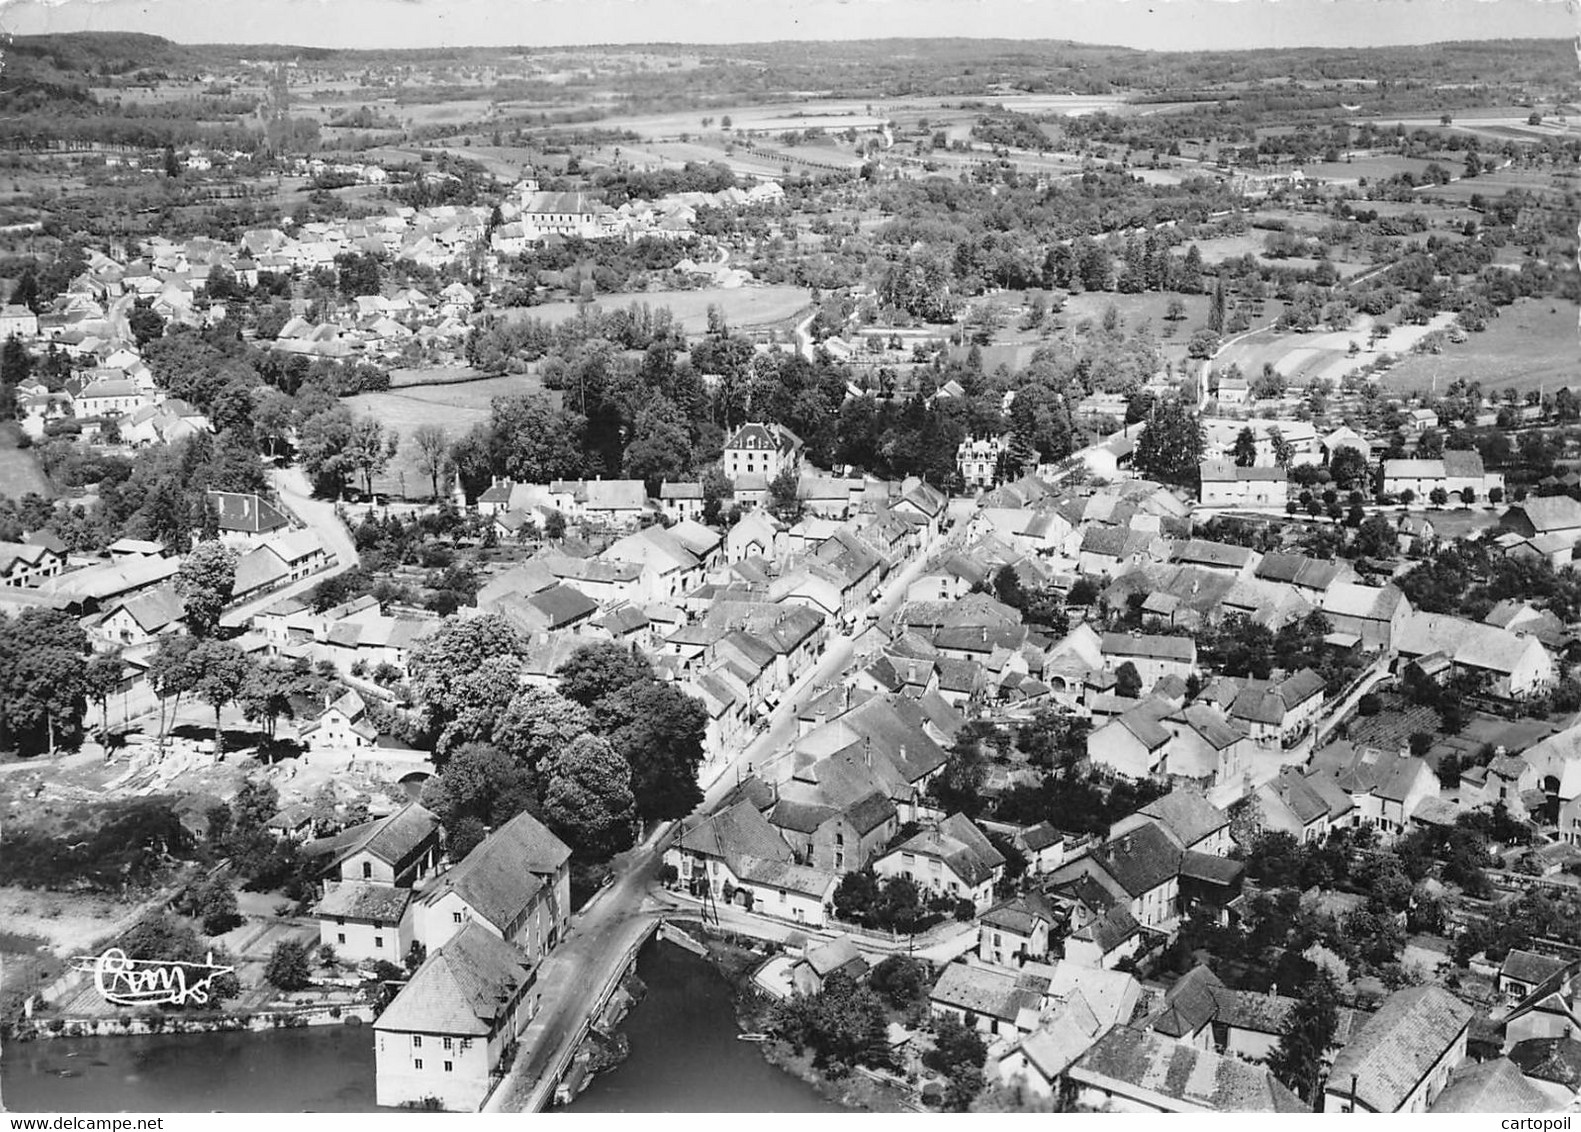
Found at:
<point>761,449</point>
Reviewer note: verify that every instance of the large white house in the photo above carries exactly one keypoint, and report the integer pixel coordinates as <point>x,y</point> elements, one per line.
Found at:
<point>443,1038</point>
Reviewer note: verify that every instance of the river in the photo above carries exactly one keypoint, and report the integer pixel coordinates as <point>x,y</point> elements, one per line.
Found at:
<point>684,1057</point>
<point>316,1069</point>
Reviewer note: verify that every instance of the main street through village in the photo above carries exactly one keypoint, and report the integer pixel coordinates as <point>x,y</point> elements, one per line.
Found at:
<point>576,977</point>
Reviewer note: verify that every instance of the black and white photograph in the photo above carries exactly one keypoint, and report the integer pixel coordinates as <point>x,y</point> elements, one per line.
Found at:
<point>789,556</point>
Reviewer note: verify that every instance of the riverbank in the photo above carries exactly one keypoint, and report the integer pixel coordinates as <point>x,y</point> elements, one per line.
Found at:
<point>737,959</point>
<point>142,1025</point>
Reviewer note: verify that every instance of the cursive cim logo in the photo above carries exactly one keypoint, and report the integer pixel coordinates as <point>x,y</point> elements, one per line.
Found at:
<point>149,982</point>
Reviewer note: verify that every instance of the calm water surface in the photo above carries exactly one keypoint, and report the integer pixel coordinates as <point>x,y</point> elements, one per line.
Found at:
<point>684,1058</point>
<point>684,1052</point>
<point>317,1069</point>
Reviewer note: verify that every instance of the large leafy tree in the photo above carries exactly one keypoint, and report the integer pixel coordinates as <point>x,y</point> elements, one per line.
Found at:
<point>431,452</point>
<point>479,788</point>
<point>595,671</point>
<point>266,694</point>
<point>1245,450</point>
<point>537,723</point>
<point>1297,1058</point>
<point>587,798</point>
<point>535,442</point>
<point>220,672</point>
<point>370,449</point>
<point>1349,469</point>
<point>206,580</point>
<point>324,444</point>
<point>1169,448</point>
<point>464,676</point>
<point>659,730</point>
<point>172,674</point>
<point>43,678</point>
<point>844,1024</point>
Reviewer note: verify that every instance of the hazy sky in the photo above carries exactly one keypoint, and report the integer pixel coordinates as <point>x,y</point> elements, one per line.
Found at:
<point>1159,24</point>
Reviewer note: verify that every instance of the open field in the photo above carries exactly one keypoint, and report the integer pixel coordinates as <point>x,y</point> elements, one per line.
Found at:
<point>742,306</point>
<point>1501,181</point>
<point>19,470</point>
<point>1379,168</point>
<point>1533,343</point>
<point>1135,310</point>
<point>62,920</point>
<point>1302,358</point>
<point>456,407</point>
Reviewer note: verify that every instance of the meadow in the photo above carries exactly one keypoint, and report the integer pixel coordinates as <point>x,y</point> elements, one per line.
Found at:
<point>19,470</point>
<point>742,306</point>
<point>456,406</point>
<point>1533,344</point>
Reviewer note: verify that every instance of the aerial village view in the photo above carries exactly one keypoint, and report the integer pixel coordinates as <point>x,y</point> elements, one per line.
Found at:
<point>892,574</point>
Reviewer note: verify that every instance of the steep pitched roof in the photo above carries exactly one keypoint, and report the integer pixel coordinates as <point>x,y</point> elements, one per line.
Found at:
<point>393,838</point>
<point>1549,513</point>
<point>1372,603</point>
<point>988,991</point>
<point>1399,1044</point>
<point>1492,1086</point>
<point>245,512</point>
<point>960,845</point>
<point>1193,1078</point>
<point>461,989</point>
<point>1139,860</point>
<point>734,833</point>
<point>505,871</point>
<point>1152,646</point>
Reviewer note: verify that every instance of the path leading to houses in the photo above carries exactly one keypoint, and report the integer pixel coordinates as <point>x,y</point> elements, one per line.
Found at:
<point>296,495</point>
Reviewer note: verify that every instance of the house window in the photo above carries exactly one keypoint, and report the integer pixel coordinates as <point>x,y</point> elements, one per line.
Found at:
<point>839,838</point>
<point>417,1041</point>
<point>367,870</point>
<point>450,1043</point>
<point>782,896</point>
<point>449,1066</point>
<point>417,1063</point>
<point>455,917</point>
<point>340,937</point>
<point>378,941</point>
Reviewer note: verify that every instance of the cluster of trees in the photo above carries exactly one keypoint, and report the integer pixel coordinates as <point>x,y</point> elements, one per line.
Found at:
<point>610,746</point>
<point>892,904</point>
<point>1239,646</point>
<point>113,848</point>
<point>1469,577</point>
<point>844,1025</point>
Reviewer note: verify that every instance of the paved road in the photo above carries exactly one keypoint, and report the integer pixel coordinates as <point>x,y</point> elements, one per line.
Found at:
<point>297,496</point>
<point>593,953</point>
<point>767,755</point>
<point>938,945</point>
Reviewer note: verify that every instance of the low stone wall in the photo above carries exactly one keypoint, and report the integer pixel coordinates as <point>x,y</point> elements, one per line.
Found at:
<point>129,1025</point>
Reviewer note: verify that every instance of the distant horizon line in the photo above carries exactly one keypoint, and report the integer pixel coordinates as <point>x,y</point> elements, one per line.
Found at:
<point>701,46</point>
